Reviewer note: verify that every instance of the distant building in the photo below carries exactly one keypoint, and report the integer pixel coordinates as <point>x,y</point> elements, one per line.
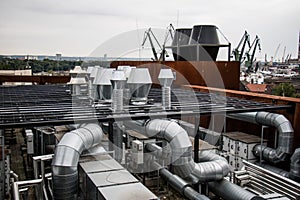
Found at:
<point>259,88</point>
<point>25,72</point>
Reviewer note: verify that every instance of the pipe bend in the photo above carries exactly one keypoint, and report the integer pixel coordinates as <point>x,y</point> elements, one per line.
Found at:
<point>66,157</point>
<point>215,167</point>
<point>285,134</point>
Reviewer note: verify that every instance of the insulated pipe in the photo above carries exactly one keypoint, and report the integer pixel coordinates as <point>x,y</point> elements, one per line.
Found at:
<point>285,136</point>
<point>276,170</point>
<point>179,184</point>
<point>211,167</point>
<point>179,141</point>
<point>295,166</point>
<point>66,157</point>
<point>183,164</point>
<point>229,191</point>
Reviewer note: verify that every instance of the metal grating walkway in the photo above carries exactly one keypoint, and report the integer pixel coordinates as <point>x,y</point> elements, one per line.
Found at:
<point>40,105</point>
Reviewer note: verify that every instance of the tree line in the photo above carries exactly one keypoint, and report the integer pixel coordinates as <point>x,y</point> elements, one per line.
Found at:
<point>45,65</point>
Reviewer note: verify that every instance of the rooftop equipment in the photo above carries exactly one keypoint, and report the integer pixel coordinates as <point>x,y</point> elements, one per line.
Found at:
<point>204,36</point>
<point>201,43</point>
<point>78,79</point>
<point>92,71</point>
<point>181,38</point>
<point>166,78</point>
<point>104,85</point>
<point>118,81</point>
<point>139,83</point>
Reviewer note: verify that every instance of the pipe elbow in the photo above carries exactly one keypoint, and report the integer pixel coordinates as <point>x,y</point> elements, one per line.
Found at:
<point>270,154</point>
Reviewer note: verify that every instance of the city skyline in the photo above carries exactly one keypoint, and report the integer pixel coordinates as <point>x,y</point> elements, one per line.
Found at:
<point>77,28</point>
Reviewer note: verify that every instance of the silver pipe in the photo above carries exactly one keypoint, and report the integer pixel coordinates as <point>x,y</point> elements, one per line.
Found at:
<point>179,142</point>
<point>211,167</point>
<point>157,151</point>
<point>166,98</point>
<point>229,191</point>
<point>118,140</point>
<point>295,166</point>
<point>66,157</point>
<point>285,136</point>
<point>179,184</point>
<point>183,164</point>
<point>276,170</point>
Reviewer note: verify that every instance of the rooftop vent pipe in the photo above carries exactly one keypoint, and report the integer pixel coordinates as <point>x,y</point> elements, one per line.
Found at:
<point>77,80</point>
<point>139,83</point>
<point>118,82</point>
<point>102,80</point>
<point>126,91</point>
<point>166,78</point>
<point>285,136</point>
<point>92,71</point>
<point>66,157</point>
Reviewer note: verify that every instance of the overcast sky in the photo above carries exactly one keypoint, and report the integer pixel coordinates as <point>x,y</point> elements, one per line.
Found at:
<point>77,27</point>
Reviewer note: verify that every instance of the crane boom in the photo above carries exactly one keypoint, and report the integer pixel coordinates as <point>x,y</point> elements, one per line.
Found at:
<point>147,35</point>
<point>250,54</point>
<point>238,54</point>
<point>276,52</point>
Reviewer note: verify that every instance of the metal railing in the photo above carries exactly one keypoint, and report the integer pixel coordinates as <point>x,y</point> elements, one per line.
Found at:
<point>263,181</point>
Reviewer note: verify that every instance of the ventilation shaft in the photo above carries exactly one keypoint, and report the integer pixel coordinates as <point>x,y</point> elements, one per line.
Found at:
<point>215,167</point>
<point>212,167</point>
<point>285,136</point>
<point>66,157</point>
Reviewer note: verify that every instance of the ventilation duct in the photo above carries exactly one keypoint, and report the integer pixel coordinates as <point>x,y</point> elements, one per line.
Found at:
<point>230,191</point>
<point>139,83</point>
<point>295,166</point>
<point>179,184</point>
<point>126,91</point>
<point>166,78</point>
<point>179,48</point>
<point>104,86</point>
<point>183,164</point>
<point>285,136</point>
<point>204,43</point>
<point>66,157</point>
<point>78,79</point>
<point>118,81</point>
<point>92,71</point>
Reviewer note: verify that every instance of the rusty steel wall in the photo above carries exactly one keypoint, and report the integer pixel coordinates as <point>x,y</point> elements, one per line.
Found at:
<point>203,73</point>
<point>292,114</point>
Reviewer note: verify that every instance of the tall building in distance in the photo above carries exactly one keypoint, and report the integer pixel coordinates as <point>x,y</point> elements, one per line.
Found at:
<point>299,48</point>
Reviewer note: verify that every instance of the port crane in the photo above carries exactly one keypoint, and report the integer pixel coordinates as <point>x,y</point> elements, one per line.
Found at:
<point>148,35</point>
<point>237,52</point>
<point>251,53</point>
<point>151,37</point>
<point>275,54</point>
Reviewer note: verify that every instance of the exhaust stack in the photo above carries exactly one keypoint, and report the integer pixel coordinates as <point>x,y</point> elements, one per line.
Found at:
<point>166,78</point>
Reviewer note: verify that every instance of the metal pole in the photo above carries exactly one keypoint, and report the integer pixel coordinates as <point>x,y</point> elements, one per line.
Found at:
<point>2,189</point>
<point>196,139</point>
<point>261,143</point>
<point>229,51</point>
<point>111,136</point>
